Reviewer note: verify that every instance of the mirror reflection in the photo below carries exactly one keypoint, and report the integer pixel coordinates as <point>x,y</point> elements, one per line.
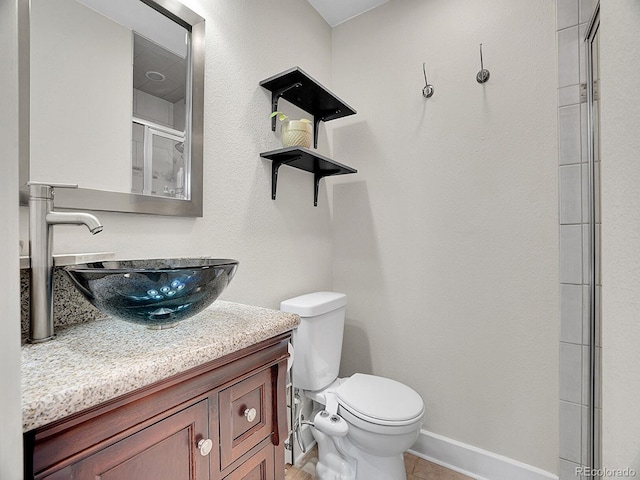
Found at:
<point>111,95</point>
<point>159,114</point>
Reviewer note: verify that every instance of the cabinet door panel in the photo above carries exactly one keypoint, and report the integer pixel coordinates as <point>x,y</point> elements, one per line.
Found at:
<point>246,416</point>
<point>158,461</point>
<point>258,467</point>
<point>166,450</point>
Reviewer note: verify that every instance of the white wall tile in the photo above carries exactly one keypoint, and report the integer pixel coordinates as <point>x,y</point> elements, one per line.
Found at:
<point>566,13</point>
<point>586,360</point>
<point>584,138</point>
<point>569,135</point>
<point>570,431</point>
<point>582,52</point>
<point>585,314</point>
<point>568,57</point>
<point>571,372</point>
<point>585,310</point>
<point>571,316</point>
<point>586,235</point>
<point>571,254</point>
<point>570,194</point>
<point>585,434</point>
<point>569,95</point>
<point>585,190</point>
<point>586,10</point>
<point>567,470</point>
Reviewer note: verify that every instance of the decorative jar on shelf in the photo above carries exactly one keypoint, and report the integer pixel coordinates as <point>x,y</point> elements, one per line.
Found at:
<point>295,133</point>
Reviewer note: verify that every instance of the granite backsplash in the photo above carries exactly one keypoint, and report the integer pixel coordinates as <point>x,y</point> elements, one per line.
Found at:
<point>69,306</point>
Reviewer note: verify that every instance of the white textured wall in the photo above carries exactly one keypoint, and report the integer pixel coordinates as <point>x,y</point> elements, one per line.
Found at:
<point>620,127</point>
<point>11,414</point>
<point>81,91</point>
<point>446,240</point>
<point>447,243</point>
<point>284,246</point>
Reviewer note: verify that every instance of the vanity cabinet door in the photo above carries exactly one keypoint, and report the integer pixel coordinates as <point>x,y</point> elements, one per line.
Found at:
<point>258,467</point>
<point>245,416</point>
<point>166,450</point>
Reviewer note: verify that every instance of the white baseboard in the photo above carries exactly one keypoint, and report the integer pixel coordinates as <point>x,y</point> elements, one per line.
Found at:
<point>472,461</point>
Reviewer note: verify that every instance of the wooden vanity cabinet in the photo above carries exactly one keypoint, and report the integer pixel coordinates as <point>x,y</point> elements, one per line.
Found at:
<point>223,420</point>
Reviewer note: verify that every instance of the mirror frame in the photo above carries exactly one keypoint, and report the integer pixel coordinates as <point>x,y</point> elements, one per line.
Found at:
<point>109,201</point>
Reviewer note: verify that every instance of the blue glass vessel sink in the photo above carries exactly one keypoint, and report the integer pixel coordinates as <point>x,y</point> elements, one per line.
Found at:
<point>156,293</point>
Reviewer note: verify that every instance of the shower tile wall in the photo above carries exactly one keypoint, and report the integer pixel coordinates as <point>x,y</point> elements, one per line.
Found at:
<point>572,19</point>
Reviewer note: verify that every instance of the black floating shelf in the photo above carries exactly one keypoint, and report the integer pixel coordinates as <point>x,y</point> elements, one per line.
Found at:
<point>306,160</point>
<point>298,88</point>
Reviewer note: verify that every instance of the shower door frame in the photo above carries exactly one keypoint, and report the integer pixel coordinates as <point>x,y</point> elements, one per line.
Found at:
<point>593,436</point>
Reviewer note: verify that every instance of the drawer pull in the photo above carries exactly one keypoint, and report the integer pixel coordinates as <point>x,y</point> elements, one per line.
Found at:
<point>205,446</point>
<point>250,414</point>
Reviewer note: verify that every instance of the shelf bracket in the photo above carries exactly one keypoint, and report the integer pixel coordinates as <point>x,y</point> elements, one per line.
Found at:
<point>316,182</point>
<point>316,122</point>
<point>275,165</point>
<point>275,96</point>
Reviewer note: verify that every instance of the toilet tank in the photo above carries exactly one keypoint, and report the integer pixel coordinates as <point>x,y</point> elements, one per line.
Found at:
<point>317,341</point>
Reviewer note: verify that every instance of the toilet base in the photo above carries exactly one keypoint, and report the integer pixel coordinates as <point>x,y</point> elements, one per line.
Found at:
<point>333,462</point>
<point>380,468</point>
<point>339,459</point>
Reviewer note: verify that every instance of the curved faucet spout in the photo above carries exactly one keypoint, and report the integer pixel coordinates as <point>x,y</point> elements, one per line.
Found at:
<point>75,218</point>
<point>42,217</point>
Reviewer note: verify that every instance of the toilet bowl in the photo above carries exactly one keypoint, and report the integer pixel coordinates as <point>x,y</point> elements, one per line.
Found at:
<point>362,423</point>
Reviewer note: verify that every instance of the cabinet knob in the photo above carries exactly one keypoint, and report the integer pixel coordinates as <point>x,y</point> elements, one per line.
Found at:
<point>250,414</point>
<point>205,446</point>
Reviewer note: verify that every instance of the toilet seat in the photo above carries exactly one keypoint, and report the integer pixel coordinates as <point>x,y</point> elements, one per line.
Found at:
<point>374,401</point>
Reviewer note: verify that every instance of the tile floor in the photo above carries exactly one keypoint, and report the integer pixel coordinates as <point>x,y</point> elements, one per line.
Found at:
<point>417,469</point>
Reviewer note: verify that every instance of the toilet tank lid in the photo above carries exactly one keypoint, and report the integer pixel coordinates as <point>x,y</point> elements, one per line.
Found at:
<point>313,304</point>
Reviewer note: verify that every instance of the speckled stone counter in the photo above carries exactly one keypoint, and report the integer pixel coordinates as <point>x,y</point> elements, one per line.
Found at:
<point>93,362</point>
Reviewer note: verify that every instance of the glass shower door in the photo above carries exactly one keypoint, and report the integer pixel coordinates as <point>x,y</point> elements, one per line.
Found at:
<point>159,166</point>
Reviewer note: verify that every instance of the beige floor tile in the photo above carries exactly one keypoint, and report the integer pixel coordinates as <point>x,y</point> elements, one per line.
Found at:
<point>306,467</point>
<point>426,470</point>
<point>417,469</point>
<point>410,462</point>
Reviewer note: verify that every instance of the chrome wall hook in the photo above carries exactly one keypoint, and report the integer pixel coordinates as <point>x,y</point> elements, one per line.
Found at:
<point>483,74</point>
<point>427,91</point>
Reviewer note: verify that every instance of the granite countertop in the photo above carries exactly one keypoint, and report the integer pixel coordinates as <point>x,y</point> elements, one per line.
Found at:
<point>93,362</point>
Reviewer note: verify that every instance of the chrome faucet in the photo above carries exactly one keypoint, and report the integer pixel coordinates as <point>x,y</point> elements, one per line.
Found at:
<point>41,220</point>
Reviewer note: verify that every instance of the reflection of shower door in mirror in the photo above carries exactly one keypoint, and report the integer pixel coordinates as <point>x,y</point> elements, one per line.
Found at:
<point>594,232</point>
<point>160,76</point>
<point>158,164</point>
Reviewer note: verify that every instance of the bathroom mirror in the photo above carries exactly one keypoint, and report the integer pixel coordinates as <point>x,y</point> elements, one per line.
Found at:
<point>116,104</point>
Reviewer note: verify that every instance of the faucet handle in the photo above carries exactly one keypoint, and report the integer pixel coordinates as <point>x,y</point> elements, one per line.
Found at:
<point>45,189</point>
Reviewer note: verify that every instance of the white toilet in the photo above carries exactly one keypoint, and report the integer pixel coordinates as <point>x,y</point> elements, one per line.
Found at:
<point>366,422</point>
